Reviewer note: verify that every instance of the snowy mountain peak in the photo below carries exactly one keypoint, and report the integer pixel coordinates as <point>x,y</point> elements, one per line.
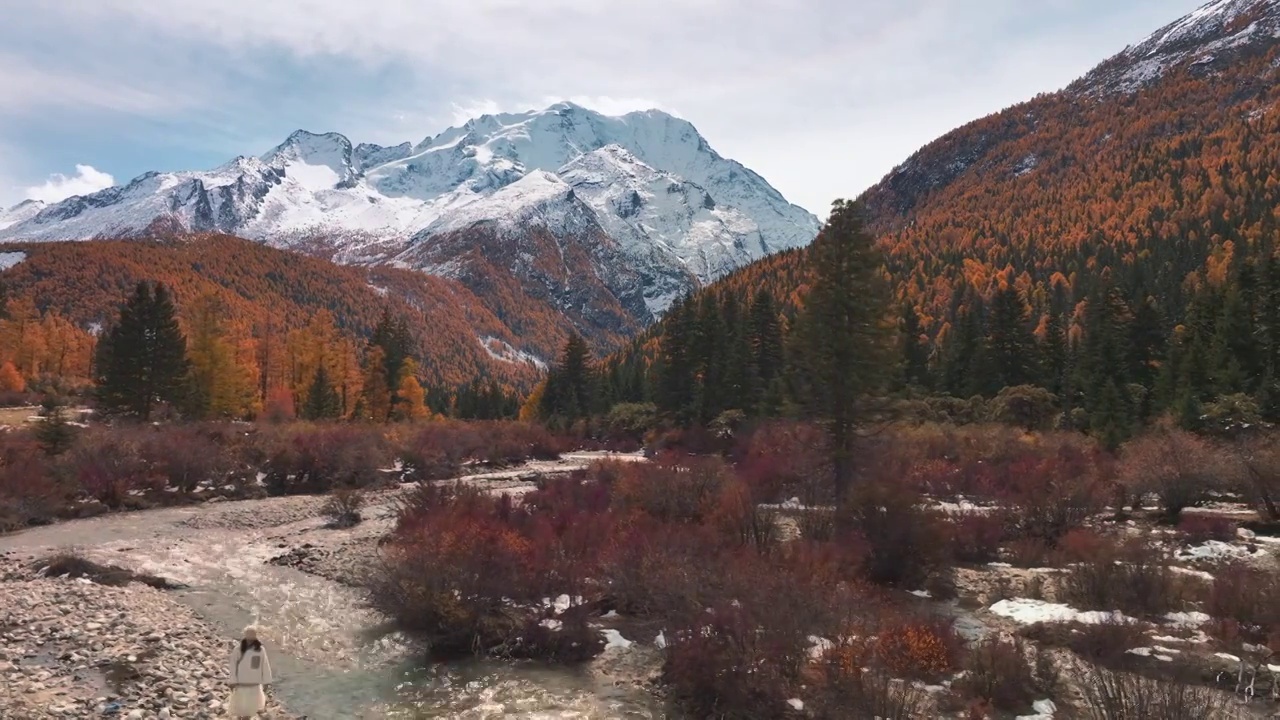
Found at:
<point>22,211</point>
<point>678,211</point>
<point>317,162</point>
<point>1209,35</point>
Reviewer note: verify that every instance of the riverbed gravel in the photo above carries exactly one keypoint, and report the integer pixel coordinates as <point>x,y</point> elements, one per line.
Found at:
<point>74,649</point>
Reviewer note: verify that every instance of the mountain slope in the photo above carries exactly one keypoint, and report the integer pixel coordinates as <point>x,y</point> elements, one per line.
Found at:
<point>678,213</point>
<point>1137,185</point>
<point>1156,188</point>
<point>270,292</point>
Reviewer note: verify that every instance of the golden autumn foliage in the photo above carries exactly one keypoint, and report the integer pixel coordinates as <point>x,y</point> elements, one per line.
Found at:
<point>1069,188</point>
<point>276,304</point>
<point>224,378</point>
<point>412,400</point>
<point>10,379</point>
<point>1155,191</point>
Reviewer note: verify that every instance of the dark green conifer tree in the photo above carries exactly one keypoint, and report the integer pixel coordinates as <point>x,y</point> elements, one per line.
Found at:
<point>915,349</point>
<point>1010,356</point>
<point>570,392</point>
<point>1103,361</point>
<point>846,346</point>
<point>323,402</point>
<point>676,383</point>
<point>1054,355</point>
<point>142,360</point>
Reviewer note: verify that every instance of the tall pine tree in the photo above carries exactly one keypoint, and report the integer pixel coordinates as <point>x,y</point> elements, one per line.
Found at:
<point>323,402</point>
<point>570,391</point>
<point>915,349</point>
<point>142,359</point>
<point>1010,345</point>
<point>676,381</point>
<point>846,346</point>
<point>1103,362</point>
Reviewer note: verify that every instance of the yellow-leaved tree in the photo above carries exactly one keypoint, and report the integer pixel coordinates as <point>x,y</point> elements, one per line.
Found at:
<point>223,378</point>
<point>10,379</point>
<point>411,398</point>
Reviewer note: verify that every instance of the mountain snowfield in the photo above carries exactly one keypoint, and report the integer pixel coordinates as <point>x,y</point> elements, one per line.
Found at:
<point>1205,36</point>
<point>678,211</point>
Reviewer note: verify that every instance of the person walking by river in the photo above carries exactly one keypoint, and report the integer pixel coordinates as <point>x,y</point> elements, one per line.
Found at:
<point>250,670</point>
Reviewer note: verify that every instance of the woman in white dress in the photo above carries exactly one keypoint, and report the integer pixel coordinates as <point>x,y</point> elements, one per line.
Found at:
<point>250,670</point>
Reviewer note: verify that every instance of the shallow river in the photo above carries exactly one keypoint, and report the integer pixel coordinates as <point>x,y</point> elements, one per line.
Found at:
<point>334,658</point>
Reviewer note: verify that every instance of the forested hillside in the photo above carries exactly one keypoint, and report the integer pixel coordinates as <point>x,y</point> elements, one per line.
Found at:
<point>1112,244</point>
<point>272,303</point>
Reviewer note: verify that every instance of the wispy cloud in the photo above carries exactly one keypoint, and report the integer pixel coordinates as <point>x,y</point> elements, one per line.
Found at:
<point>86,180</point>
<point>822,97</point>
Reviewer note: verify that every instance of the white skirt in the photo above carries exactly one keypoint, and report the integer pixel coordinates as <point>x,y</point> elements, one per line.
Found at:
<point>246,701</point>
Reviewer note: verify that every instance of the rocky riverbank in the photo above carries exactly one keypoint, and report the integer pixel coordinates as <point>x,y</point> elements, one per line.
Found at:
<point>73,648</point>
<point>76,649</point>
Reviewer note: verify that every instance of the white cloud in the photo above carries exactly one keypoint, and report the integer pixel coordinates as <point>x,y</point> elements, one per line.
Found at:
<point>468,110</point>
<point>27,88</point>
<point>87,179</point>
<point>611,105</point>
<point>821,97</point>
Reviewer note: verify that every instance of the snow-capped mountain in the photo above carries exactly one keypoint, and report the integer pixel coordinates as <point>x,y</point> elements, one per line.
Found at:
<point>678,212</point>
<point>1210,35</point>
<point>24,210</point>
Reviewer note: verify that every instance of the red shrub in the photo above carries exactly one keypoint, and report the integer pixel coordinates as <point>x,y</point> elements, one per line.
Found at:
<point>279,407</point>
<point>724,667</point>
<point>1245,597</point>
<point>662,570</point>
<point>1054,494</point>
<point>937,476</point>
<point>29,491</point>
<point>903,541</point>
<point>438,449</point>
<point>741,520</point>
<point>781,460</point>
<point>509,443</point>
<point>998,672</point>
<point>1133,578</point>
<point>974,537</point>
<point>312,459</point>
<point>1200,528</point>
<point>1182,469</point>
<point>671,489</point>
<point>186,457</point>
<point>1080,545</point>
<point>108,467</point>
<point>924,649</point>
<point>447,579</point>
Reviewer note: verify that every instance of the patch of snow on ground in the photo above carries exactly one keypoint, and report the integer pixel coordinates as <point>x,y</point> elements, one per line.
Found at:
<point>1026,611</point>
<point>561,603</point>
<point>9,259</point>
<point>614,640</point>
<point>961,507</point>
<point>1215,550</point>
<point>1188,619</point>
<point>1193,573</point>
<point>796,704</point>
<point>794,504</point>
<point>552,624</point>
<point>502,351</point>
<point>819,646</point>
<point>1151,652</point>
<point>1044,710</point>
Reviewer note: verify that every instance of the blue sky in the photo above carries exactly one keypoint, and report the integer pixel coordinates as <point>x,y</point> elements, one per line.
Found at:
<point>822,97</point>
